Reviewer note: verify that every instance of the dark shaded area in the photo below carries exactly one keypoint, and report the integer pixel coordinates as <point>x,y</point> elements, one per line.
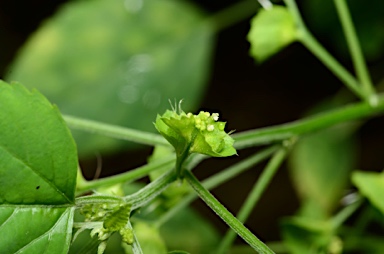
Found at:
<point>245,94</point>
<point>18,19</point>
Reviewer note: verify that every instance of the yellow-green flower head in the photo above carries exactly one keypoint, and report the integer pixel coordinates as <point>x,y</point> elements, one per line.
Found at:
<point>201,133</point>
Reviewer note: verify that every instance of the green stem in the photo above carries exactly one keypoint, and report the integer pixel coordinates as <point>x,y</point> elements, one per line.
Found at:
<point>219,178</point>
<point>150,191</point>
<point>136,248</point>
<point>131,175</point>
<point>254,196</point>
<point>307,125</point>
<point>354,47</point>
<point>345,213</point>
<point>225,215</point>
<point>308,40</point>
<point>137,199</point>
<point>363,220</point>
<point>114,131</point>
<point>180,162</point>
<point>98,199</point>
<point>233,14</point>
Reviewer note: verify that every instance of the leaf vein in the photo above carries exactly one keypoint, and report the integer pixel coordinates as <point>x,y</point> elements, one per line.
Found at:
<point>50,183</point>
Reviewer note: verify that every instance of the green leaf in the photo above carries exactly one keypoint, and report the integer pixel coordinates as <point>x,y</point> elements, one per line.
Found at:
<point>116,62</point>
<point>34,229</point>
<point>37,174</point>
<point>271,30</point>
<point>37,153</point>
<point>371,185</point>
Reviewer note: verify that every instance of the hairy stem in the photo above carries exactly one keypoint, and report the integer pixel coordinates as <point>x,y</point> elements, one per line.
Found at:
<point>114,131</point>
<point>151,191</point>
<point>98,199</point>
<point>131,175</point>
<point>225,215</point>
<point>136,248</point>
<point>137,199</point>
<point>254,196</point>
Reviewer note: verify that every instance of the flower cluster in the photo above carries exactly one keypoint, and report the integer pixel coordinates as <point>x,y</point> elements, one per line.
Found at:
<point>113,217</point>
<point>201,133</point>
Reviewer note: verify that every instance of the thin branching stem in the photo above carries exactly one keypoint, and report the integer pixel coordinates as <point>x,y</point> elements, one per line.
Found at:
<point>225,215</point>
<point>114,131</point>
<point>136,248</point>
<point>354,48</point>
<point>131,175</point>
<point>254,196</point>
<point>219,178</point>
<point>151,190</point>
<point>306,125</point>
<point>308,40</point>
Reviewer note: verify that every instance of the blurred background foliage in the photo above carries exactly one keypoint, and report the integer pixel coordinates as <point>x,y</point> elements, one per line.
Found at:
<point>117,62</point>
<point>120,61</point>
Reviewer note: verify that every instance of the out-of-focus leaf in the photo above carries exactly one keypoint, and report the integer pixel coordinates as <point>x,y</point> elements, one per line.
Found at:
<point>371,185</point>
<point>37,174</point>
<point>149,239</point>
<point>271,30</point>
<point>241,249</point>
<point>117,62</point>
<point>320,165</point>
<point>303,235</point>
<point>365,244</point>
<point>190,232</point>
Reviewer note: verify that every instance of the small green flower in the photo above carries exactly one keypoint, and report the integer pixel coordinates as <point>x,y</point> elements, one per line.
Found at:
<point>127,235</point>
<point>189,133</point>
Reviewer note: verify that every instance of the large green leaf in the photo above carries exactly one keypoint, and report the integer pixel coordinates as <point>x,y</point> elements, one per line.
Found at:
<point>371,185</point>
<point>117,62</point>
<point>38,155</point>
<point>38,165</point>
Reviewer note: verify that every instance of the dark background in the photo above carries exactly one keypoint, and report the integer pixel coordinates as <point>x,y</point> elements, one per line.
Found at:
<point>246,94</point>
